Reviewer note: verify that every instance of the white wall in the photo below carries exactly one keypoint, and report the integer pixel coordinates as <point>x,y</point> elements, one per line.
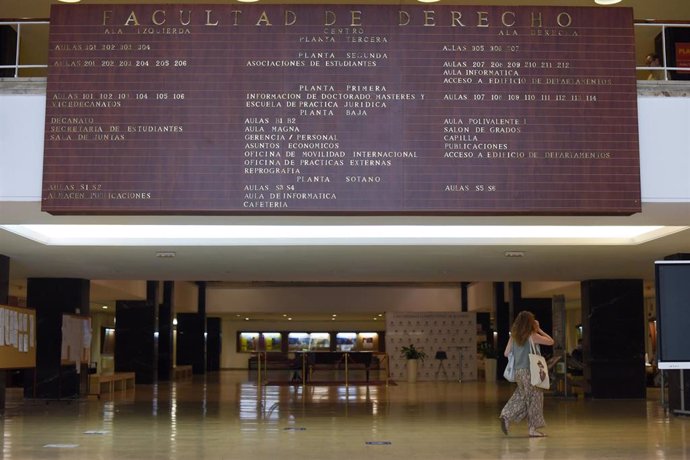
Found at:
<point>331,299</point>
<point>186,297</point>
<point>22,119</point>
<point>664,148</point>
<point>118,289</point>
<point>480,296</point>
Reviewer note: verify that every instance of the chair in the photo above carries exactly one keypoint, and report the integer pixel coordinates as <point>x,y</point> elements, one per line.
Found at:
<point>441,356</point>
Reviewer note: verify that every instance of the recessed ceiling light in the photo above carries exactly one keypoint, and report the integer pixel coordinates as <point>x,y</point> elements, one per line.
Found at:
<point>606,2</point>
<point>69,1</point>
<point>104,307</point>
<point>428,1</point>
<point>247,1</point>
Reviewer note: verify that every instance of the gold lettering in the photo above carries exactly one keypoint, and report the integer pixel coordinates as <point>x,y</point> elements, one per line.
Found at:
<point>404,18</point>
<point>208,19</point>
<point>290,18</point>
<point>505,22</point>
<point>456,19</point>
<point>155,20</point>
<point>356,18</point>
<point>236,15</point>
<point>132,18</point>
<point>263,18</point>
<point>482,19</point>
<point>189,18</point>
<point>568,17</point>
<point>537,20</point>
<point>330,18</point>
<point>429,20</point>
<point>107,16</point>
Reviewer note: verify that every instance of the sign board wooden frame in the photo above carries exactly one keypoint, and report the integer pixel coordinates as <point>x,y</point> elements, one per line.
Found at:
<point>341,109</point>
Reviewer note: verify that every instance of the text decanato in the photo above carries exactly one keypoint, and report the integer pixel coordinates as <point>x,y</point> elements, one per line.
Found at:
<point>353,18</point>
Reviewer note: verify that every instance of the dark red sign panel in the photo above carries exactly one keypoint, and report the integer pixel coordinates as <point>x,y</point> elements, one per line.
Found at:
<point>229,109</point>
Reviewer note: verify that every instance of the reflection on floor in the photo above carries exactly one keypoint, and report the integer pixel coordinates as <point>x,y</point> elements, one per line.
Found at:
<point>226,416</point>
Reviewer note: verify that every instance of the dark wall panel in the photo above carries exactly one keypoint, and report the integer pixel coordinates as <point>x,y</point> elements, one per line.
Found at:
<point>136,347</point>
<point>213,344</point>
<point>51,298</point>
<point>613,338</point>
<point>191,346</point>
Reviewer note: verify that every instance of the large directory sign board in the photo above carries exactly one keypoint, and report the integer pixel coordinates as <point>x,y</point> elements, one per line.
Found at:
<point>341,109</point>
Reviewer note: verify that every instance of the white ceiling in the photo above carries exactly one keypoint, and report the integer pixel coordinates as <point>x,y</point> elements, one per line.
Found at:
<point>346,264</point>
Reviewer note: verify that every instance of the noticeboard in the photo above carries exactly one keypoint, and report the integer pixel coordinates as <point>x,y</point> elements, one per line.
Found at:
<point>17,337</point>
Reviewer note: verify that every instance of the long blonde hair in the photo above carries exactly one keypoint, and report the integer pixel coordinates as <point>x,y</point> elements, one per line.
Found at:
<point>523,326</point>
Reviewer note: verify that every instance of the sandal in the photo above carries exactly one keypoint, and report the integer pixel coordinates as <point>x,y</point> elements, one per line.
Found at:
<point>536,434</point>
<point>504,426</point>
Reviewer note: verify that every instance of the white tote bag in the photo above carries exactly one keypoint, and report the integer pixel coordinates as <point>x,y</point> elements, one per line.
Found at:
<point>509,373</point>
<point>539,371</point>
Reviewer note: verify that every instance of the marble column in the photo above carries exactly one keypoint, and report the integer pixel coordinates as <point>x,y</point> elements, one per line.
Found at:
<point>213,344</point>
<point>502,315</point>
<point>136,348</point>
<point>51,298</point>
<point>613,325</point>
<point>464,297</point>
<point>165,332</point>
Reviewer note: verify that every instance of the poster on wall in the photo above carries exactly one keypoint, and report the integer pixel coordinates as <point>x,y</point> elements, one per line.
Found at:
<point>683,57</point>
<point>76,339</point>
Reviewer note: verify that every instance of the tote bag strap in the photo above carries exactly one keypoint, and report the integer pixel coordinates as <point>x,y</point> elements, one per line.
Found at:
<point>533,347</point>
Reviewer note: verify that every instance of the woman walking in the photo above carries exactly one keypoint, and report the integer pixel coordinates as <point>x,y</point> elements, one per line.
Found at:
<point>527,400</point>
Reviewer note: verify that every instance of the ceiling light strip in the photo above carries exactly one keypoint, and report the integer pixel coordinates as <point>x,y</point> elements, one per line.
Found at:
<point>322,235</point>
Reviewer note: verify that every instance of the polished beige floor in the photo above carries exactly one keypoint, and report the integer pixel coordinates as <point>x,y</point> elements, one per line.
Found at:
<point>224,416</point>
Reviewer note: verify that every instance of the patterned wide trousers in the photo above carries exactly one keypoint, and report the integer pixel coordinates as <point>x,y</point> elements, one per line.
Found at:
<point>527,401</point>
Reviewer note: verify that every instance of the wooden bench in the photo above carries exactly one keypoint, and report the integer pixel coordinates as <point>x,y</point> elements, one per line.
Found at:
<point>117,381</point>
<point>183,372</point>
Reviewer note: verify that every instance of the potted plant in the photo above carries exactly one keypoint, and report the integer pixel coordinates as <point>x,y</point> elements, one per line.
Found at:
<point>490,355</point>
<point>413,356</point>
